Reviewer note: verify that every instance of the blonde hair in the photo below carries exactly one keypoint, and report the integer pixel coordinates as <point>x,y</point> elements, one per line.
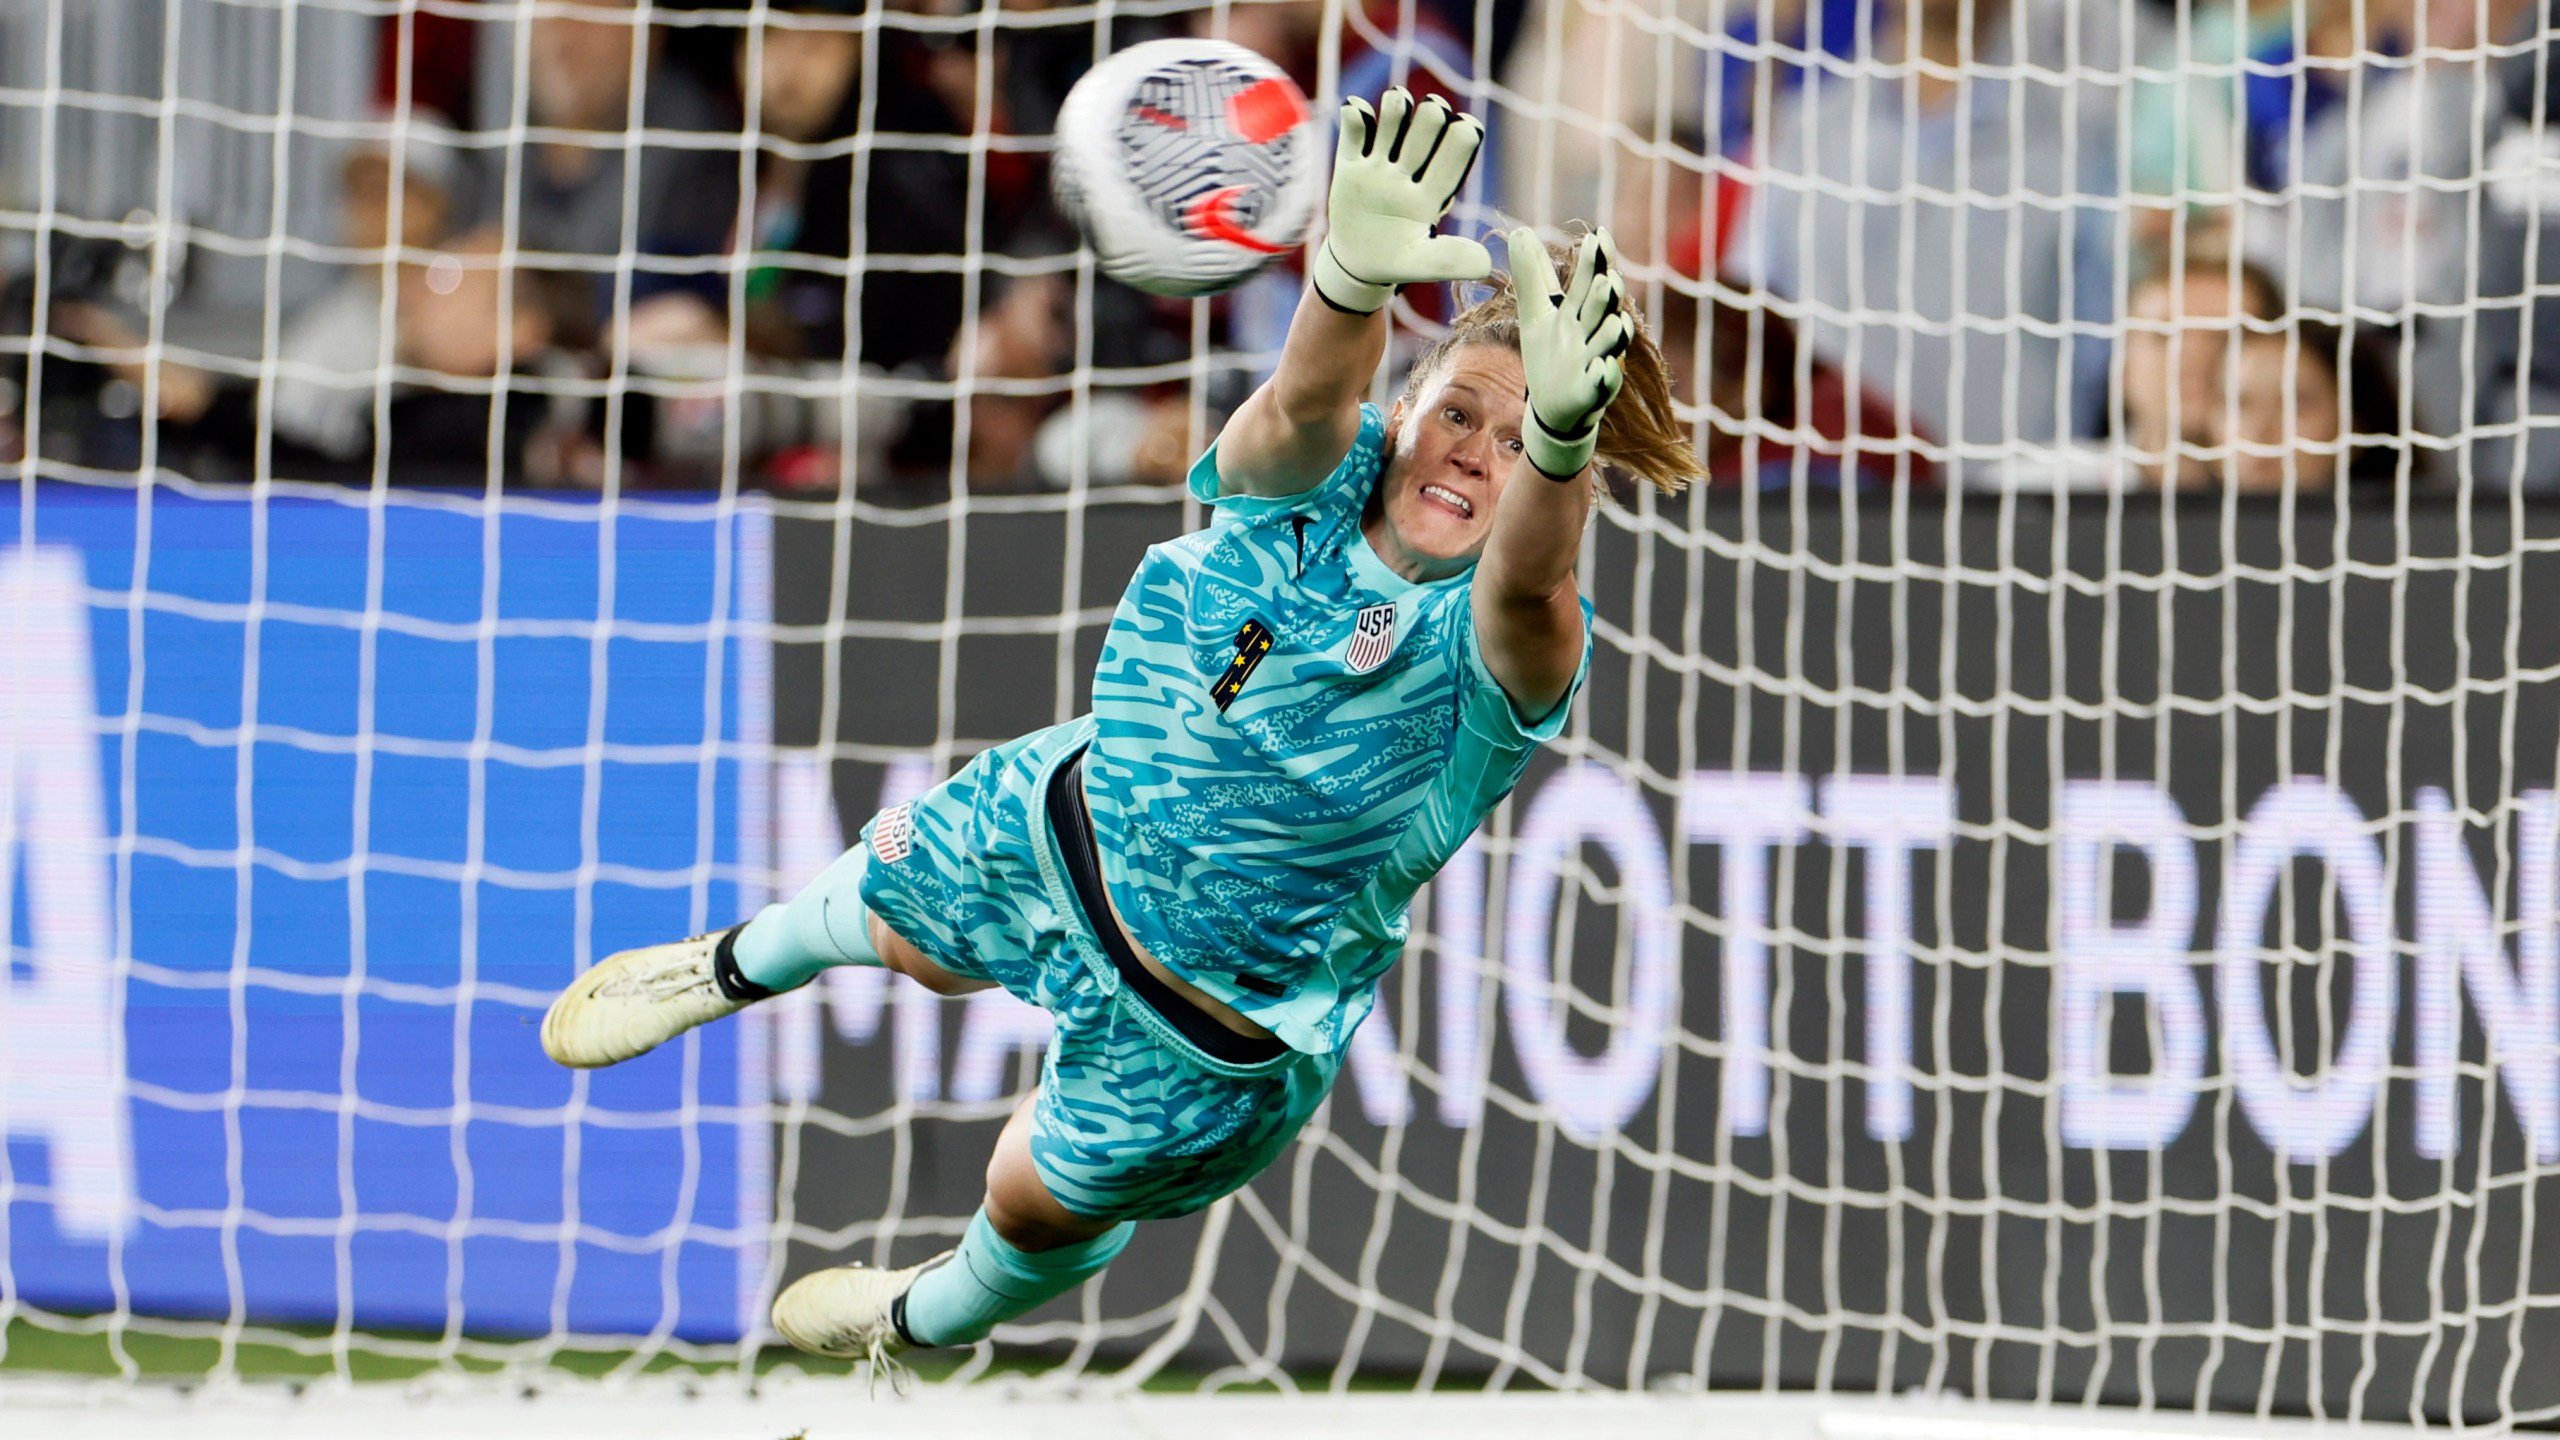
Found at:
<point>1640,433</point>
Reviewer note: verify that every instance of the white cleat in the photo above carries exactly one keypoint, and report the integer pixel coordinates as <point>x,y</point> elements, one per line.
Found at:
<point>635,1001</point>
<point>850,1311</point>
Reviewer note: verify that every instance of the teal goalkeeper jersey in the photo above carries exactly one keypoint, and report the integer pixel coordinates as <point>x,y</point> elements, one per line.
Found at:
<point>1291,738</point>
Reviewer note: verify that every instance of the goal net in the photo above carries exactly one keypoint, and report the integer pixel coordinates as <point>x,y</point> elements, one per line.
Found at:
<point>2048,894</point>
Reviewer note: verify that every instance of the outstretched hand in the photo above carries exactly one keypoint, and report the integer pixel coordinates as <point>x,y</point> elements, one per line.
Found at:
<point>1396,172</point>
<point>1572,339</point>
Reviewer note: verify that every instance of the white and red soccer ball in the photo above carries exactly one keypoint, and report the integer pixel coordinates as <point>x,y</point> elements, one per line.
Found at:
<point>1188,164</point>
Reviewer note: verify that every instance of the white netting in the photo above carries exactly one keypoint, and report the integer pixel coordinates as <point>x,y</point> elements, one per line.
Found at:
<point>503,481</point>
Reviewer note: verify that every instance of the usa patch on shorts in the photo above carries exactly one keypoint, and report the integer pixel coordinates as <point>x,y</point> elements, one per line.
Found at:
<point>893,835</point>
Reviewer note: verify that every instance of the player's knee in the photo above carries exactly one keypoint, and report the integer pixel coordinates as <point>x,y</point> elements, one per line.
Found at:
<point>907,960</point>
<point>1034,1222</point>
<point>886,944</point>
<point>942,982</point>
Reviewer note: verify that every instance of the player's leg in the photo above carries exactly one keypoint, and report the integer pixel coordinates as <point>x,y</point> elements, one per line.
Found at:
<point>1021,1250</point>
<point>827,924</point>
<point>632,1002</point>
<point>1019,1206</point>
<point>944,856</point>
<point>1147,1108</point>
<point>1130,1122</point>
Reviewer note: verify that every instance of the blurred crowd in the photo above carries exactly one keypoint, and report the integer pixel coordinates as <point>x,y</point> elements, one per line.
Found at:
<point>2269,246</point>
<point>2257,245</point>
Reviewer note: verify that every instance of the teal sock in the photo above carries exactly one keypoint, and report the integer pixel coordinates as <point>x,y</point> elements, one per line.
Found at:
<point>962,1300</point>
<point>825,925</point>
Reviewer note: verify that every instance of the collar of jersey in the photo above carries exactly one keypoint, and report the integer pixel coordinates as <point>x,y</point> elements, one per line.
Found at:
<point>1374,573</point>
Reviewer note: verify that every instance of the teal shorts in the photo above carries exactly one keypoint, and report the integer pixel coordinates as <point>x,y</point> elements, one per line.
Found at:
<point>1133,1122</point>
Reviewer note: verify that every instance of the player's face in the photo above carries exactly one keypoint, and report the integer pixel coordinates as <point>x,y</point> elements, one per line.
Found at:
<point>1450,453</point>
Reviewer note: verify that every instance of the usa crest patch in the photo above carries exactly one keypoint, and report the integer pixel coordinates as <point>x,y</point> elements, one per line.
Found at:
<point>894,833</point>
<point>1373,639</point>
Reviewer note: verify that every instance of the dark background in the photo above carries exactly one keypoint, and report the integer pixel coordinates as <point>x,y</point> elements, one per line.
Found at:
<point>2214,647</point>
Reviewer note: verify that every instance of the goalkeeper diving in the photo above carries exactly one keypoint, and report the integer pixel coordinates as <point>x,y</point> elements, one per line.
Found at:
<point>1300,713</point>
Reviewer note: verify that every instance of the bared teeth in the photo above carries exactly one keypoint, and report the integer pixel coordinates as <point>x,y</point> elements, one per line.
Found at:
<point>1453,497</point>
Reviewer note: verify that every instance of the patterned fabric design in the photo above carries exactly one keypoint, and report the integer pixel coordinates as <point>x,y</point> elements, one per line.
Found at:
<point>1267,853</point>
<point>1129,1129</point>
<point>1183,137</point>
<point>1131,1123</point>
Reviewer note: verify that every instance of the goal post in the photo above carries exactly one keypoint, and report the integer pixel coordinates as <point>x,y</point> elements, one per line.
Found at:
<point>2000,925</point>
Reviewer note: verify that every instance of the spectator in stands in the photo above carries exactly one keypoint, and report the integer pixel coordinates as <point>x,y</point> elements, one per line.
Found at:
<point>319,413</point>
<point>1773,416</point>
<point>802,80</point>
<point>2316,110</point>
<point>2183,330</point>
<point>2183,161</point>
<point>2397,189</point>
<point>570,198</point>
<point>1770,414</point>
<point>2400,190</point>
<point>1591,77</point>
<point>2237,89</point>
<point>2421,198</point>
<point>2507,335</point>
<point>914,191</point>
<point>329,351</point>
<point>909,319</point>
<point>448,325</point>
<point>2219,389</point>
<point>1041,63</point>
<point>468,316</point>
<point>1949,241</point>
<point>2288,421</point>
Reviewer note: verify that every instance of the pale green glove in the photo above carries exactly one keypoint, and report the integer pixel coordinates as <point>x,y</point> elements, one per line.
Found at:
<point>1395,173</point>
<point>1570,343</point>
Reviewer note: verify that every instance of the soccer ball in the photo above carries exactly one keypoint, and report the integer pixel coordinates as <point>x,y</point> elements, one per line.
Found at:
<point>1188,164</point>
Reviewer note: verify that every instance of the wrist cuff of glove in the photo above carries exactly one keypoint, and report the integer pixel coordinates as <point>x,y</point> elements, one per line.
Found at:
<point>1343,290</point>
<point>1559,457</point>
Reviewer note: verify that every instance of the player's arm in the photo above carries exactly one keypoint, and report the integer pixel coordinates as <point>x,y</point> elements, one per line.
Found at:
<point>1396,171</point>
<point>1528,607</point>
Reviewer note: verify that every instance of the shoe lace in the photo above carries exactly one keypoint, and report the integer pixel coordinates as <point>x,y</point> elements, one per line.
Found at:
<point>880,1351</point>
<point>684,973</point>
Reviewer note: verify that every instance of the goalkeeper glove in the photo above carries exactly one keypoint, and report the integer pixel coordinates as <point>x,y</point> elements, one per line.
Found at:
<point>1396,171</point>
<point>1570,343</point>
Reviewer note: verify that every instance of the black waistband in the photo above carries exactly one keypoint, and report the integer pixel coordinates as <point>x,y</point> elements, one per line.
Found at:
<point>1075,845</point>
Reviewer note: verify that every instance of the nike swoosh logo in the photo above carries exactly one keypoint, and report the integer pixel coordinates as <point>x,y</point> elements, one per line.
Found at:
<point>1209,216</point>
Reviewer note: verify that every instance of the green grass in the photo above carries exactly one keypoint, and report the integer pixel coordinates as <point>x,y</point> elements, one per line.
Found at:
<point>154,1355</point>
